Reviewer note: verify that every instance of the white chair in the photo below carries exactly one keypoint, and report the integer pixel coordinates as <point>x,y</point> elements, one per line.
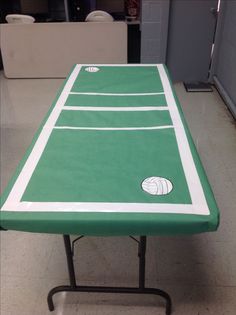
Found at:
<point>19,19</point>
<point>99,16</point>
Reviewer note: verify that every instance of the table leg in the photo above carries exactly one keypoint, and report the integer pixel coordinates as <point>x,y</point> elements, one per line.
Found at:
<point>70,263</point>
<point>141,289</point>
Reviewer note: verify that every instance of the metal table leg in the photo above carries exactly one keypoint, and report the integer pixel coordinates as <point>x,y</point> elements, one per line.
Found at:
<point>141,289</point>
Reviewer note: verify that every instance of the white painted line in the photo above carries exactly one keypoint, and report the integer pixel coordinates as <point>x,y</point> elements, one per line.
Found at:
<point>119,65</point>
<point>106,207</point>
<point>112,128</point>
<point>117,94</point>
<point>116,109</point>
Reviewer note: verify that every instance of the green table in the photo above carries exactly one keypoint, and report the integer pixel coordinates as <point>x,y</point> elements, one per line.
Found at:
<point>114,156</point>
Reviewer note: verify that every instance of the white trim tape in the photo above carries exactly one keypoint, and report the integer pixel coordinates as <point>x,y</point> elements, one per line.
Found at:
<point>116,94</point>
<point>192,178</point>
<point>116,109</point>
<point>113,128</point>
<point>107,207</point>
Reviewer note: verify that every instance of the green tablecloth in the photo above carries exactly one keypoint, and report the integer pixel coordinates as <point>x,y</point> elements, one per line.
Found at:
<point>113,157</point>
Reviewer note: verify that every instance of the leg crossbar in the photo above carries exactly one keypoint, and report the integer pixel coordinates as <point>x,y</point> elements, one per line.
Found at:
<point>141,289</point>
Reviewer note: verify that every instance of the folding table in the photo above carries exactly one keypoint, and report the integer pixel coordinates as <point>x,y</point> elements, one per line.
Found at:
<point>113,157</point>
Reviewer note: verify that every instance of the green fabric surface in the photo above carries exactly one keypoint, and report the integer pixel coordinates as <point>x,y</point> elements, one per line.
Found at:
<point>113,80</point>
<point>119,80</point>
<point>119,101</point>
<point>107,166</point>
<point>114,119</point>
<point>108,224</point>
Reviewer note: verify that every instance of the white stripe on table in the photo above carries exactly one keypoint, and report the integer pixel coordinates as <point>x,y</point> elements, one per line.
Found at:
<point>191,174</point>
<point>117,207</point>
<point>118,109</point>
<point>116,94</point>
<point>25,175</point>
<point>113,128</point>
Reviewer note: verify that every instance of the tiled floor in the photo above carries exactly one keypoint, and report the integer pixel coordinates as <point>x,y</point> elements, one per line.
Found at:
<point>198,271</point>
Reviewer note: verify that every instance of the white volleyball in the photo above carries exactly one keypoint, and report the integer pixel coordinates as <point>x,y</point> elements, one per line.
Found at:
<point>157,185</point>
<point>92,69</point>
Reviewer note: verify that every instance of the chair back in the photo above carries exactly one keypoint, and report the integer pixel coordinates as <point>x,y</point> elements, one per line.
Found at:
<point>19,19</point>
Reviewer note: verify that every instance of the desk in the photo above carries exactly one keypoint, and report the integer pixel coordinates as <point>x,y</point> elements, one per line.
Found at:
<point>113,157</point>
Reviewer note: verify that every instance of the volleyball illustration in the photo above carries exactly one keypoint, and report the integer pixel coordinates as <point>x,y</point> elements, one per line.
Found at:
<point>157,185</point>
<point>92,69</point>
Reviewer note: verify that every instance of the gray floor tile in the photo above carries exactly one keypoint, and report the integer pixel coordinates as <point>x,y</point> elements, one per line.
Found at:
<point>25,254</point>
<point>18,295</point>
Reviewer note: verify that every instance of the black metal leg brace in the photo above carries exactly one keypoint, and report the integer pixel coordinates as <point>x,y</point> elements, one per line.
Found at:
<point>73,287</point>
